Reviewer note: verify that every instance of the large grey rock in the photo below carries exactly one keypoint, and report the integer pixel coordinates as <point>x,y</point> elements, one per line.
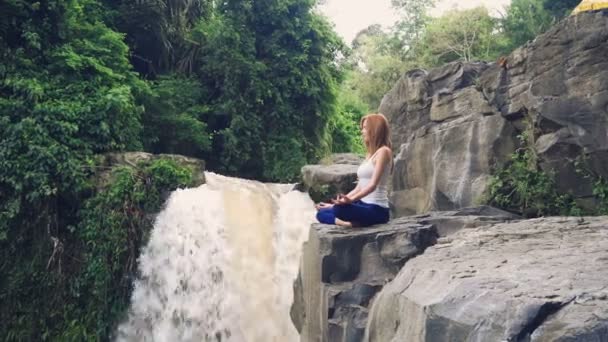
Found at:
<point>343,158</point>
<point>443,91</point>
<point>534,280</point>
<point>336,174</point>
<point>448,166</point>
<point>343,269</point>
<point>454,124</point>
<point>448,138</point>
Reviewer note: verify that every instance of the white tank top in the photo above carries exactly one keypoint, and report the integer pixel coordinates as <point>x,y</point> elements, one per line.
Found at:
<point>380,195</point>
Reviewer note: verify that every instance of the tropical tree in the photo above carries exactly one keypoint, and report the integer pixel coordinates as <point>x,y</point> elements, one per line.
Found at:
<point>269,81</point>
<point>465,35</point>
<point>67,92</point>
<point>560,8</point>
<point>344,125</point>
<point>157,31</point>
<point>413,18</point>
<point>376,61</point>
<point>526,19</point>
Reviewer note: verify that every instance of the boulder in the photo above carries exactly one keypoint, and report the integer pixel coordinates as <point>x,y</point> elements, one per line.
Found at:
<point>534,280</point>
<point>336,174</point>
<point>453,125</point>
<point>343,158</point>
<point>343,269</point>
<point>448,166</point>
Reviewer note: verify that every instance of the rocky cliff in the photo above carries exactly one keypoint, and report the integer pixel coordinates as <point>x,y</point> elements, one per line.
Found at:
<point>454,124</point>
<point>533,280</point>
<point>475,274</point>
<point>342,270</point>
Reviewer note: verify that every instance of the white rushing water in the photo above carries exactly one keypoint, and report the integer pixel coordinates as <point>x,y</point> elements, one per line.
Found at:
<point>220,265</point>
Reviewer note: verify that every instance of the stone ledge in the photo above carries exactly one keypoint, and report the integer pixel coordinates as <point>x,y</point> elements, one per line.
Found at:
<point>530,280</point>
<point>342,269</point>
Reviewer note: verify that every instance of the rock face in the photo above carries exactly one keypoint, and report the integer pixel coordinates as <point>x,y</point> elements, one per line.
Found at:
<point>343,269</point>
<point>453,124</point>
<point>534,280</point>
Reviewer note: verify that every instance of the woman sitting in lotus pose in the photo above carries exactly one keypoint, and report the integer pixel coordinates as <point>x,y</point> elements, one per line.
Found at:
<point>367,204</point>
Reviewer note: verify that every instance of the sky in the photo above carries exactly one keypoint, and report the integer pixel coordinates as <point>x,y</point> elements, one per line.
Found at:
<point>351,16</point>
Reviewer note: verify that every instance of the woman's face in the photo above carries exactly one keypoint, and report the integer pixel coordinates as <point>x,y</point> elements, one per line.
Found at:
<point>365,132</point>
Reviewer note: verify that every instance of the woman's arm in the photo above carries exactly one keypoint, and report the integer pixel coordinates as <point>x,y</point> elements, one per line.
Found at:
<point>353,191</point>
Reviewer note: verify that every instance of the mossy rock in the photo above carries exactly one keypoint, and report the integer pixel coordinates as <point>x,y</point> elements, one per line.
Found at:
<point>105,163</point>
<point>338,174</point>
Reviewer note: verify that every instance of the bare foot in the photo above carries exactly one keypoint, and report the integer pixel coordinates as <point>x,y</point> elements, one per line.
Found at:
<point>343,223</point>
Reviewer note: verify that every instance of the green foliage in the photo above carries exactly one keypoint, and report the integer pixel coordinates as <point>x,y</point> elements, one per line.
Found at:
<point>526,19</point>
<point>584,168</point>
<point>66,92</point>
<point>377,64</point>
<point>344,125</point>
<point>600,191</point>
<point>174,121</point>
<point>76,285</point>
<point>250,86</point>
<point>114,226</point>
<point>157,31</point>
<point>560,8</point>
<point>413,19</point>
<point>60,101</point>
<point>269,80</point>
<point>464,35</point>
<point>522,187</point>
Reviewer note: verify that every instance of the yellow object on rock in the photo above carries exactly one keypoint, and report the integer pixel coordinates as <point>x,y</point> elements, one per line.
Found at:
<point>590,5</point>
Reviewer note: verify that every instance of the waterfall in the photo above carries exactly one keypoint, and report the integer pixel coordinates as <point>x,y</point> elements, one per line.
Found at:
<point>220,264</point>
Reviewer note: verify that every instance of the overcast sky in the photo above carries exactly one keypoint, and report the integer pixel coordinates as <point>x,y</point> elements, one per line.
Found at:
<point>351,16</point>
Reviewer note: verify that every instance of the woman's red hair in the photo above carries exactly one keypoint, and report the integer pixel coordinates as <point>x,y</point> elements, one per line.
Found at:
<point>379,132</point>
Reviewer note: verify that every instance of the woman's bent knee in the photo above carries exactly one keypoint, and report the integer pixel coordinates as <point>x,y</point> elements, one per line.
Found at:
<point>326,216</point>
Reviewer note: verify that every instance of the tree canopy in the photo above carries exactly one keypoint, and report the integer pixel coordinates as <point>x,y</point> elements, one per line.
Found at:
<point>249,86</point>
<point>418,40</point>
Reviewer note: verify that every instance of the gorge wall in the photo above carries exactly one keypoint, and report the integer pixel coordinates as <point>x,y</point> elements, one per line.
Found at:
<point>445,273</point>
<point>454,124</point>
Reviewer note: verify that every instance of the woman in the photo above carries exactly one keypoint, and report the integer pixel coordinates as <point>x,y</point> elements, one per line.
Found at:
<point>367,204</point>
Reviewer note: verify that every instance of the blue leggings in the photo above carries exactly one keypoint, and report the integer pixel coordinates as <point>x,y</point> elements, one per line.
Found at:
<point>361,213</point>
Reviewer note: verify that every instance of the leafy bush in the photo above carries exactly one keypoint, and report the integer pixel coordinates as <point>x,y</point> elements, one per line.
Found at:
<point>600,191</point>
<point>344,128</point>
<point>174,120</point>
<point>79,289</point>
<point>269,79</point>
<point>521,186</point>
<point>255,93</point>
<point>67,91</point>
<point>526,19</point>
